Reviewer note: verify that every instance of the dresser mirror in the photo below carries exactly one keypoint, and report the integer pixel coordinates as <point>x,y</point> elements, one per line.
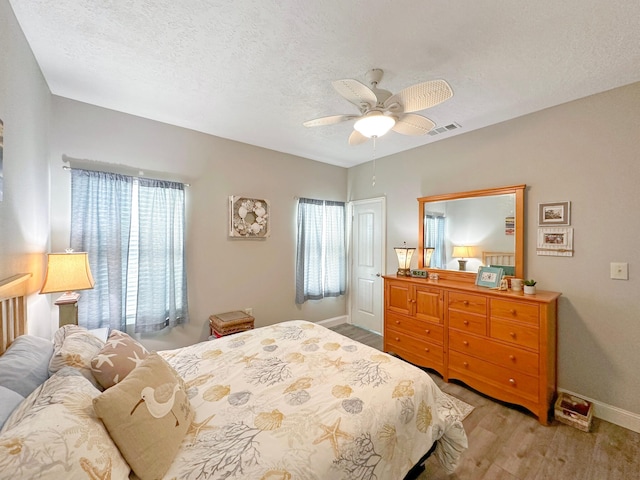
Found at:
<point>459,232</point>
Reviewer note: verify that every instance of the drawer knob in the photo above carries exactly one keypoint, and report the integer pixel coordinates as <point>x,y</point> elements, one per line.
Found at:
<point>465,364</point>
<point>512,381</point>
<point>397,339</point>
<point>427,331</point>
<point>426,349</point>
<point>465,302</point>
<point>512,334</point>
<point>465,343</point>
<point>512,358</point>
<point>397,322</point>
<point>513,312</point>
<point>466,323</point>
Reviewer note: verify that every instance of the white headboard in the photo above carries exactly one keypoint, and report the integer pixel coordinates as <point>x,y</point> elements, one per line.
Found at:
<point>499,258</point>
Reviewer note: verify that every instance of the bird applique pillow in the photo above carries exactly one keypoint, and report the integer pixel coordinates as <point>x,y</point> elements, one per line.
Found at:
<point>147,415</point>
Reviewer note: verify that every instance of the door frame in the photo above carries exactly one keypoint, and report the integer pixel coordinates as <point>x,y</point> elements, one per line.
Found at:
<point>350,247</point>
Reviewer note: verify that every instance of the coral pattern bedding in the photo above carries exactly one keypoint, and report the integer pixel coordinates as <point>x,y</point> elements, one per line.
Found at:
<point>289,401</point>
<point>298,401</point>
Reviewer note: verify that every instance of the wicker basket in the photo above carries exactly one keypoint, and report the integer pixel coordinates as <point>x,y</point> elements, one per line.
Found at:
<point>230,322</point>
<point>574,411</point>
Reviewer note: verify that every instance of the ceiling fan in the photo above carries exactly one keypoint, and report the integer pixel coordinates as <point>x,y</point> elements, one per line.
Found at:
<point>381,111</point>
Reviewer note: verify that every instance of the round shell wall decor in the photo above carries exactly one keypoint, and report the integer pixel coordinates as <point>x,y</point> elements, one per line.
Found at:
<point>248,217</point>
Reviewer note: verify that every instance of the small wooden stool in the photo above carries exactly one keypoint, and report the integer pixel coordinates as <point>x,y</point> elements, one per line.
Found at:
<point>230,322</point>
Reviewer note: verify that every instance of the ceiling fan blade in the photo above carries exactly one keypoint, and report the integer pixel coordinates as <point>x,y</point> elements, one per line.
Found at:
<point>421,96</point>
<point>356,138</point>
<point>357,93</point>
<point>331,120</point>
<point>412,124</point>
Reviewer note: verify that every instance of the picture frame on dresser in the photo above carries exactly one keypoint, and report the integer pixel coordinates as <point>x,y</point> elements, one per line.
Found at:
<point>489,277</point>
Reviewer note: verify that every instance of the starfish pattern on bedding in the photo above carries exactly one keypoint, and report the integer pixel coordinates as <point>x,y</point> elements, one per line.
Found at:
<point>196,427</point>
<point>338,363</point>
<point>332,433</point>
<point>249,359</point>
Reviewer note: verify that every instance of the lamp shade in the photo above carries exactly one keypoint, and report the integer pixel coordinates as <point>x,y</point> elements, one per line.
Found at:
<point>374,124</point>
<point>428,252</point>
<point>404,254</point>
<point>67,272</point>
<point>461,252</point>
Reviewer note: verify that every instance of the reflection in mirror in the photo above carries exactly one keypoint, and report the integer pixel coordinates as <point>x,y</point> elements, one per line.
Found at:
<point>462,231</point>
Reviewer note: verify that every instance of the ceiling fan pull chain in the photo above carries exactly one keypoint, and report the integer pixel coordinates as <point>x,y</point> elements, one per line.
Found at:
<point>373,182</point>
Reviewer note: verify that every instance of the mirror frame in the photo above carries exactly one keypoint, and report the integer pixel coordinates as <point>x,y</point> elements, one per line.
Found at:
<point>518,190</point>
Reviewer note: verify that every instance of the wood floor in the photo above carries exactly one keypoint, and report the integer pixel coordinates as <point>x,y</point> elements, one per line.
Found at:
<point>507,443</point>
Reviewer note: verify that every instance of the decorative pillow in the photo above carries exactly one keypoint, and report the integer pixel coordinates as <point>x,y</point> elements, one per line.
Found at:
<point>148,415</point>
<point>9,400</point>
<point>59,436</point>
<point>76,350</point>
<point>24,366</point>
<point>117,358</point>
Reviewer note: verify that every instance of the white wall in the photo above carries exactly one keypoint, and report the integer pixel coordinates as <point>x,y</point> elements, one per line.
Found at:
<point>586,152</point>
<point>24,211</point>
<point>223,274</point>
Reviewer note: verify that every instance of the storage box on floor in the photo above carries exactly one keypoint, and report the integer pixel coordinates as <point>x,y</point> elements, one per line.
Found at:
<point>574,411</point>
<point>230,322</point>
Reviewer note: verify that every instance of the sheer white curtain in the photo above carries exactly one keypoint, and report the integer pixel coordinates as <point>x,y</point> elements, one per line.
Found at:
<point>321,250</point>
<point>133,231</point>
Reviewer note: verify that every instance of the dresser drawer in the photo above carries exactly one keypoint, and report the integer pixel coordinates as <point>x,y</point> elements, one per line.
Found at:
<point>410,348</point>
<point>494,352</point>
<point>420,329</point>
<point>523,312</point>
<point>468,322</point>
<point>508,380</point>
<point>468,303</point>
<point>515,333</point>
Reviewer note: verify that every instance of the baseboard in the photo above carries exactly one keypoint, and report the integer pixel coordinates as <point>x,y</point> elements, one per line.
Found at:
<point>609,413</point>
<point>334,322</point>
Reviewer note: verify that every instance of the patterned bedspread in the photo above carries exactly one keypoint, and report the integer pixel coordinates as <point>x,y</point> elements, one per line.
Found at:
<point>298,401</point>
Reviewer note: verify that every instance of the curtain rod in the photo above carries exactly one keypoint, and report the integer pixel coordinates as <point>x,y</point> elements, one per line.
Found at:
<point>140,172</point>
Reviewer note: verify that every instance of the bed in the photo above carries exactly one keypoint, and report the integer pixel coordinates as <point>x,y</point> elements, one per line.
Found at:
<point>289,401</point>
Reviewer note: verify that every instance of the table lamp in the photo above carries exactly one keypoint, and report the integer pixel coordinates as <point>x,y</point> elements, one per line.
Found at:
<point>404,254</point>
<point>67,272</point>
<point>461,252</point>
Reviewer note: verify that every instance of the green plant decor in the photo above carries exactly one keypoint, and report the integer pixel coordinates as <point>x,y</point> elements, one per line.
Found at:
<point>530,283</point>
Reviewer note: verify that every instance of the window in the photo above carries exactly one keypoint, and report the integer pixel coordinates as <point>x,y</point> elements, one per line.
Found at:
<point>321,252</point>
<point>133,231</point>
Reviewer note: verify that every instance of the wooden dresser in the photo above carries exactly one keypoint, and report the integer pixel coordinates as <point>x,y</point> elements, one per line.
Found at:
<point>502,344</point>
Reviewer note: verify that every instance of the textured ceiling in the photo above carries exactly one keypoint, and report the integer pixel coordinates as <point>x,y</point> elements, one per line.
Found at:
<point>255,70</point>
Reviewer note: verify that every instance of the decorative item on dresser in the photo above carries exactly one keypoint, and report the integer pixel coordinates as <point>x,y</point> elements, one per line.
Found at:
<point>501,343</point>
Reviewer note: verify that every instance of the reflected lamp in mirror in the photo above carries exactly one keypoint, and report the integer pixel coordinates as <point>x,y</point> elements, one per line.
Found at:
<point>428,252</point>
<point>404,254</point>
<point>67,272</point>
<point>461,252</point>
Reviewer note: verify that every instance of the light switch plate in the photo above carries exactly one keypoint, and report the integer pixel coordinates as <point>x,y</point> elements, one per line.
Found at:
<point>619,271</point>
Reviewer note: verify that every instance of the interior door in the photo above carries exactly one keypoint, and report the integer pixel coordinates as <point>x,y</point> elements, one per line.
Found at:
<point>367,261</point>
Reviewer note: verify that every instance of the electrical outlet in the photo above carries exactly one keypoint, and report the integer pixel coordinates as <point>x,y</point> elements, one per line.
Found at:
<point>619,271</point>
<point>249,311</point>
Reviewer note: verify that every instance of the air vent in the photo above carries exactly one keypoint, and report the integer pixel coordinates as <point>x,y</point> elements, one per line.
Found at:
<point>446,128</point>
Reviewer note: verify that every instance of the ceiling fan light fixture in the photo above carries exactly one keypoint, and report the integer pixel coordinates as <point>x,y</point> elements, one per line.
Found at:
<point>374,124</point>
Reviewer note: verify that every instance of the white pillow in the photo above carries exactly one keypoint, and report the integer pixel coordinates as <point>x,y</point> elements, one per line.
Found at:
<point>55,434</point>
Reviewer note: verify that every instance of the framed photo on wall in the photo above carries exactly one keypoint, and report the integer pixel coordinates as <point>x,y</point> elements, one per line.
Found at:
<point>554,213</point>
<point>555,241</point>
